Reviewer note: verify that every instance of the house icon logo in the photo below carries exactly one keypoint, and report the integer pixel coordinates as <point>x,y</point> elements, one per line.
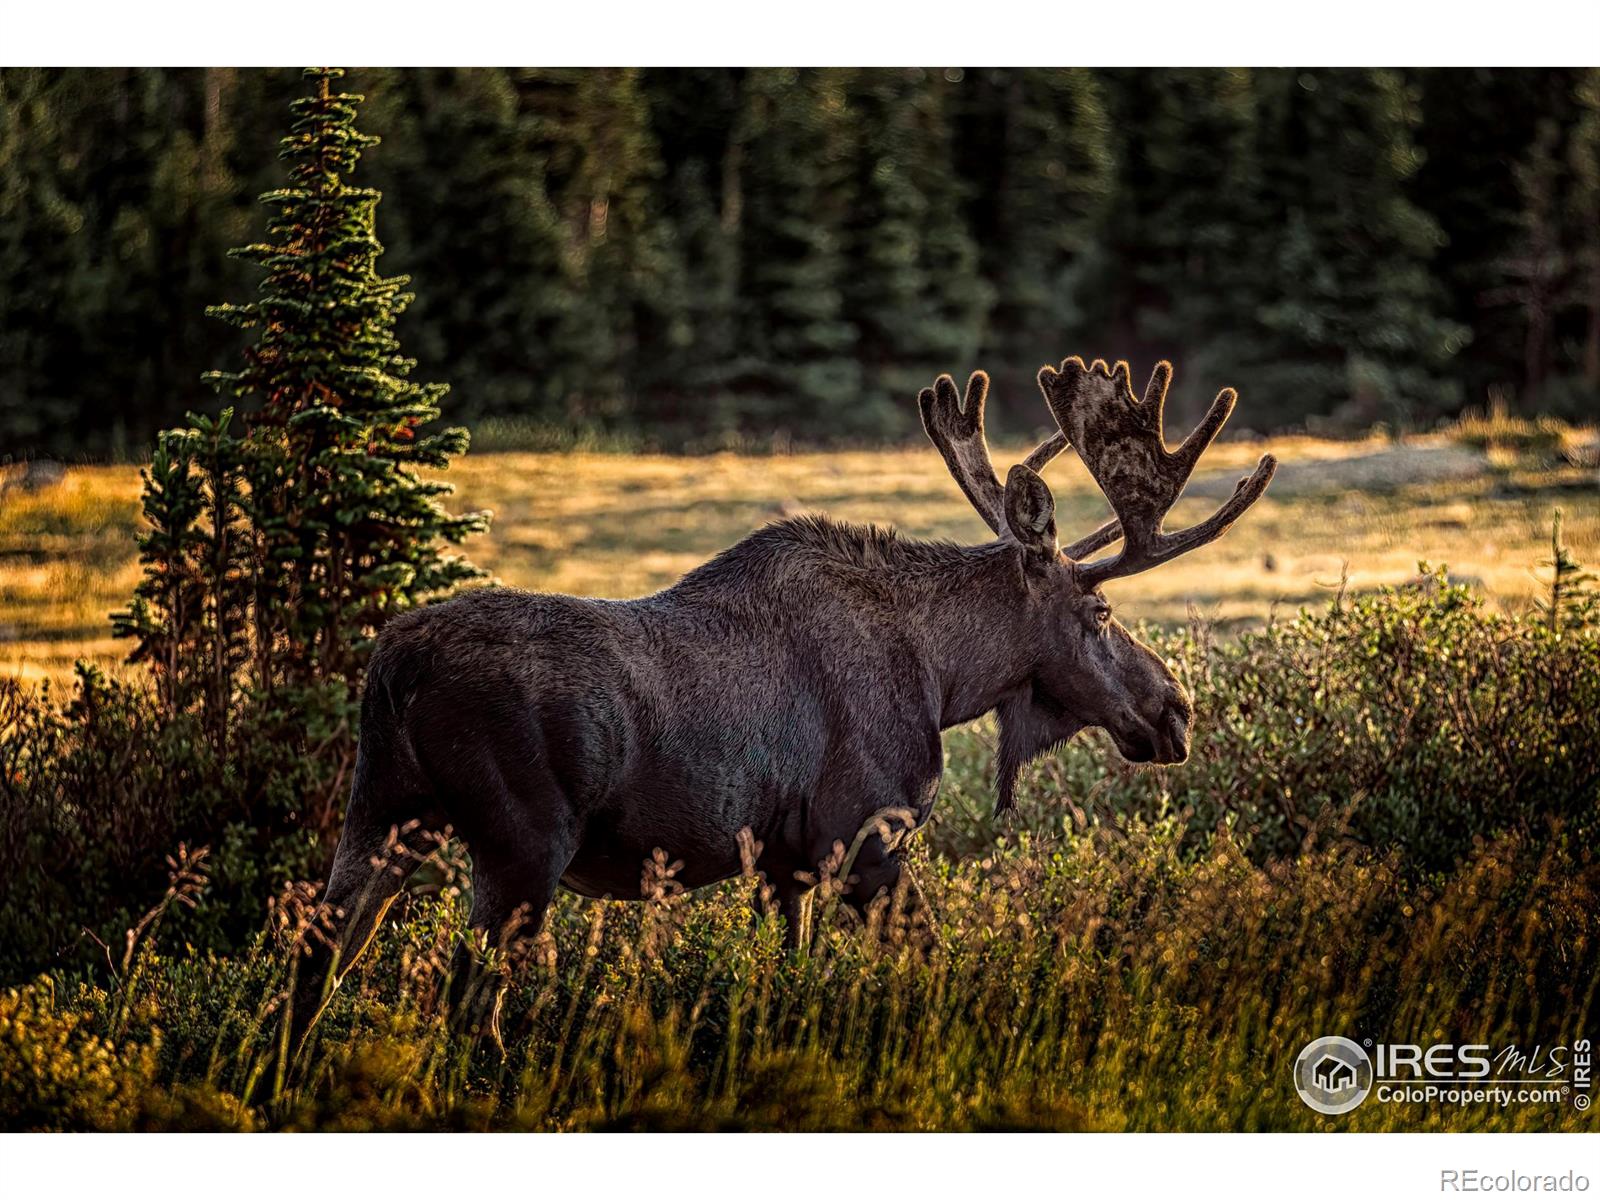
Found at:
<point>1333,1075</point>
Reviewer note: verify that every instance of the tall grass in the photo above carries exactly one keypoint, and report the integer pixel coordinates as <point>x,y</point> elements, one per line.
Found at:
<point>1505,435</point>
<point>1097,981</point>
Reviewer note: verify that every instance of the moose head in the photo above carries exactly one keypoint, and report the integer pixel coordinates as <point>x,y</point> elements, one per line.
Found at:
<point>1088,670</point>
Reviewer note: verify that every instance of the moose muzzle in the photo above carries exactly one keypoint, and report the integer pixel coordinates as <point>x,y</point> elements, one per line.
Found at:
<point>1172,740</point>
<point>1161,736</point>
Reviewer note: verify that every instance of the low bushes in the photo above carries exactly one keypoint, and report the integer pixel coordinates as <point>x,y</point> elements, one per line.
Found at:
<point>1414,719</point>
<point>96,794</point>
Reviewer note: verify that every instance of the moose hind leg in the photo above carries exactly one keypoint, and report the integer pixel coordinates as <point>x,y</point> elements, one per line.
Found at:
<point>516,868</point>
<point>374,859</point>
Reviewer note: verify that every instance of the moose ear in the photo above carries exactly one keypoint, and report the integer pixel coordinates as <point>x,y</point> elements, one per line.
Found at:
<point>1031,511</point>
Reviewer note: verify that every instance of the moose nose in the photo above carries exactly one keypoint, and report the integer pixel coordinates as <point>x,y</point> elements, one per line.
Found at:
<point>1172,742</point>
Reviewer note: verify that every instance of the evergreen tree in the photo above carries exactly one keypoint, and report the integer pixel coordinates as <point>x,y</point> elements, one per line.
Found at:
<point>1350,312</point>
<point>1184,239</point>
<point>1572,601</point>
<point>796,365</point>
<point>39,250</point>
<point>672,253</point>
<point>689,359</point>
<point>1037,143</point>
<point>593,132</point>
<point>1476,124</point>
<point>688,355</point>
<point>341,529</point>
<point>1535,267</point>
<point>1584,155</point>
<point>118,197</point>
<point>191,609</point>
<point>912,291</point>
<point>460,141</point>
<point>1547,270</point>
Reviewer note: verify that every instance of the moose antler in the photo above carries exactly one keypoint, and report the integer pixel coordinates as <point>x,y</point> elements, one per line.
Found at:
<point>956,428</point>
<point>1120,440</point>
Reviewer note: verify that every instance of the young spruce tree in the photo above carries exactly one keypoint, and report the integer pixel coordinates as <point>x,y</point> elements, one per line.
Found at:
<point>312,525</point>
<point>348,533</point>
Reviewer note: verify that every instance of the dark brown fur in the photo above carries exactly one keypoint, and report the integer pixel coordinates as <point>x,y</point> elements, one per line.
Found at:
<point>794,686</point>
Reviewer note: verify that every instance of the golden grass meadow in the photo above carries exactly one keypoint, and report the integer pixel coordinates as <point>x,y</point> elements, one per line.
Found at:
<point>614,525</point>
<point>1385,832</point>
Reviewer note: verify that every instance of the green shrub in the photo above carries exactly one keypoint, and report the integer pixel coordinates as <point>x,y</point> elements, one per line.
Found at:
<point>1415,719</point>
<point>56,1073</point>
<point>94,797</point>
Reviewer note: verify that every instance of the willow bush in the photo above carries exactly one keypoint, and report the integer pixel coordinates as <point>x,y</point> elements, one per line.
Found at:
<point>1415,719</point>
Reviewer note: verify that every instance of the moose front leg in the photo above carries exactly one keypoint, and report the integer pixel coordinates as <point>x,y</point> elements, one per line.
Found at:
<point>779,891</point>
<point>878,886</point>
<point>793,908</point>
<point>883,893</point>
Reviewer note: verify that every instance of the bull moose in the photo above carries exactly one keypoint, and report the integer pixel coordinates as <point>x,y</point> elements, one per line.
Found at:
<point>786,691</point>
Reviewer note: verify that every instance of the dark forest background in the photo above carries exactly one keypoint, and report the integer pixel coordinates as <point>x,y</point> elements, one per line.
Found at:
<point>690,258</point>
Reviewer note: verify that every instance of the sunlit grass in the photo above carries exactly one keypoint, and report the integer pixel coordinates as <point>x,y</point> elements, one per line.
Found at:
<point>67,560</point>
<point>626,525</point>
<point>1097,982</point>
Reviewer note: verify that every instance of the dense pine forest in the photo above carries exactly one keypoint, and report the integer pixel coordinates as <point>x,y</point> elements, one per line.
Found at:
<point>690,258</point>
